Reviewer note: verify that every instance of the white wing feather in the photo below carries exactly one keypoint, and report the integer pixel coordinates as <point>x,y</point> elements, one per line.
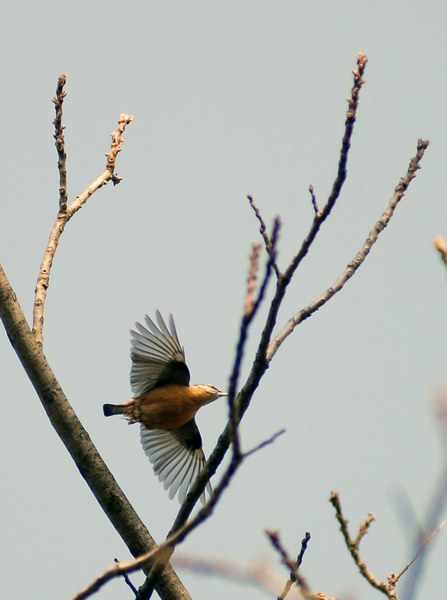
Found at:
<point>175,464</point>
<point>153,349</point>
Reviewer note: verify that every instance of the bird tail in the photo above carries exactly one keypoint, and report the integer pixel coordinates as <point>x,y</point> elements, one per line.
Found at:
<point>112,409</point>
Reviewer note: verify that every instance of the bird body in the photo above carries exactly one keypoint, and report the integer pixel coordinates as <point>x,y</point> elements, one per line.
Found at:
<point>165,405</point>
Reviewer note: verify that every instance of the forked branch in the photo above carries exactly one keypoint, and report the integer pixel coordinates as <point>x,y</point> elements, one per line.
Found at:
<point>361,255</point>
<point>67,211</point>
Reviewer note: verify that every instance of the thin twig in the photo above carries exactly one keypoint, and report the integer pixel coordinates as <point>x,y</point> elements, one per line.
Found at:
<point>292,565</point>
<point>322,215</point>
<point>364,528</point>
<point>269,245</point>
<point>126,578</point>
<point>64,215</point>
<point>263,444</point>
<point>353,546</point>
<point>441,247</point>
<point>251,279</point>
<point>352,267</point>
<point>421,549</point>
<point>304,543</point>
<point>60,143</point>
<point>435,510</point>
<point>314,201</point>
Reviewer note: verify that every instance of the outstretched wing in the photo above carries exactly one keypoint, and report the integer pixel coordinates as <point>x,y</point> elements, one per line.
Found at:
<point>177,457</point>
<point>157,356</point>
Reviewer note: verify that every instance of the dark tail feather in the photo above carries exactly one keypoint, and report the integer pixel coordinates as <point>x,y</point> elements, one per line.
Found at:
<point>112,409</point>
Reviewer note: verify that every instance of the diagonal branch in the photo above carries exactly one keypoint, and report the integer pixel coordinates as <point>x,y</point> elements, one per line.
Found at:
<point>292,565</point>
<point>65,213</point>
<point>352,267</point>
<point>388,588</point>
<point>441,247</point>
<point>321,215</point>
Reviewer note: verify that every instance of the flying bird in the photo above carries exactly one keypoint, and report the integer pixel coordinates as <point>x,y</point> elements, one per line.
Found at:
<point>165,405</point>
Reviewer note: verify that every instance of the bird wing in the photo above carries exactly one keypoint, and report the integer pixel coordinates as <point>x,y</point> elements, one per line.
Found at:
<point>157,356</point>
<point>177,457</point>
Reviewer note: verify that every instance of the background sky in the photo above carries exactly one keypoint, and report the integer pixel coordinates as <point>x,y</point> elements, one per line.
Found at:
<point>230,98</point>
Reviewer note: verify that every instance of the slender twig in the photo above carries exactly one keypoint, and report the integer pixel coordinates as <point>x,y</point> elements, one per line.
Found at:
<point>60,143</point>
<point>65,213</point>
<point>322,215</point>
<point>314,201</point>
<point>269,246</point>
<point>387,588</point>
<point>427,540</point>
<point>292,565</point>
<point>352,267</point>
<point>435,510</point>
<point>364,528</point>
<point>304,543</point>
<point>126,578</point>
<point>249,302</point>
<point>441,418</point>
<point>249,312</point>
<point>441,247</point>
<point>263,444</point>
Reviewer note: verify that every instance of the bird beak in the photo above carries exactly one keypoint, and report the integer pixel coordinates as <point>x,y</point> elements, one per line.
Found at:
<point>223,394</point>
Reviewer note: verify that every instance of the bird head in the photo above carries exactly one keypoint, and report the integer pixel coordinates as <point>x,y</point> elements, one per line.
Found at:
<point>210,393</point>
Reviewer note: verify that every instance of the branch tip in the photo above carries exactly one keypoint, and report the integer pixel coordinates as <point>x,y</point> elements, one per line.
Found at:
<point>269,241</point>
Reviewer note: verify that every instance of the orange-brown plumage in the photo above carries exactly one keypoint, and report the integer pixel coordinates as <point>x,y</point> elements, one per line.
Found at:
<point>165,404</point>
<point>167,407</point>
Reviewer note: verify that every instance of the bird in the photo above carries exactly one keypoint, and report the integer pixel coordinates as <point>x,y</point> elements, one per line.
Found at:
<point>165,405</point>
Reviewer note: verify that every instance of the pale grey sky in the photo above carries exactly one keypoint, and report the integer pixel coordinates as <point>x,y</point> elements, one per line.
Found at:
<point>229,98</point>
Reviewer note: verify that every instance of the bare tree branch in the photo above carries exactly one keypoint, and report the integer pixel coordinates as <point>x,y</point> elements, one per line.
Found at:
<point>292,565</point>
<point>441,247</point>
<point>65,213</point>
<point>422,546</point>
<point>322,215</point>
<point>352,267</point>
<point>127,580</point>
<point>265,235</point>
<point>60,143</point>
<point>389,588</point>
<point>314,201</point>
<point>263,444</point>
<point>421,528</point>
